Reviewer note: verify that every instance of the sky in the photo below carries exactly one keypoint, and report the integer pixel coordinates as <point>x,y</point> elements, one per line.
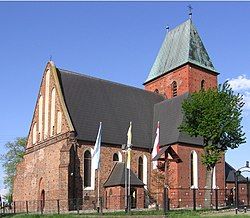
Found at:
<point>117,41</point>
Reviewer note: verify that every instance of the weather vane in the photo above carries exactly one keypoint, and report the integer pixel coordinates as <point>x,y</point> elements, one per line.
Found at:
<point>190,11</point>
<point>50,58</point>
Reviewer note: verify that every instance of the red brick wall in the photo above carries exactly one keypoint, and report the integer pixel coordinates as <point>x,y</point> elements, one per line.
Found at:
<point>183,174</point>
<point>242,192</point>
<point>45,164</point>
<point>35,119</point>
<point>188,78</point>
<point>178,178</point>
<point>114,198</point>
<point>140,198</point>
<point>107,164</point>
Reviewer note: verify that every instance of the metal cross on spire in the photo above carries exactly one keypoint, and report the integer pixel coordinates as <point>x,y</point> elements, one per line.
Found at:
<point>190,11</point>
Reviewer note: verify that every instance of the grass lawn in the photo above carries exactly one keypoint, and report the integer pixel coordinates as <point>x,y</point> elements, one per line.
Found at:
<point>154,214</point>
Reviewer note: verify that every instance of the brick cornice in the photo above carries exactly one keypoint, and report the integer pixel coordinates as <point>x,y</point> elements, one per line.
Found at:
<point>48,142</point>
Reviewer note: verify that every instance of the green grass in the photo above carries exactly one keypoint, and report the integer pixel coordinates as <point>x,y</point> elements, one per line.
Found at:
<point>171,214</point>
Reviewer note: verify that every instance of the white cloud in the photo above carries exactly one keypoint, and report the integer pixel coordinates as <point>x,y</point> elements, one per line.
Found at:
<point>240,83</point>
<point>246,97</point>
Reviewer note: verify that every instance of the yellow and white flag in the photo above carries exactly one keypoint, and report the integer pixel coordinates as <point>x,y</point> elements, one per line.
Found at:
<point>129,142</point>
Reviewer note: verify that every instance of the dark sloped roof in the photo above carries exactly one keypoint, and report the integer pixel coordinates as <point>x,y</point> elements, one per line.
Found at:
<point>117,177</point>
<point>170,115</point>
<point>90,100</point>
<point>181,45</point>
<point>229,174</point>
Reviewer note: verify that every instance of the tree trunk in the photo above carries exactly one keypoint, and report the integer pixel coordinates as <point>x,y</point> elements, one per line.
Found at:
<point>208,189</point>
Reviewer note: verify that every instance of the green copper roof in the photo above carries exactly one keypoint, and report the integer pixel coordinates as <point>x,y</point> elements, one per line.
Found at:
<point>181,45</point>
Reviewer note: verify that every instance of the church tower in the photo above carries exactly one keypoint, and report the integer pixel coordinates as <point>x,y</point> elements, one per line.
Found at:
<point>182,64</point>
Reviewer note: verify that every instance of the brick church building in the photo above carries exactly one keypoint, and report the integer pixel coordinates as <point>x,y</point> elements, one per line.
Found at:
<point>57,163</point>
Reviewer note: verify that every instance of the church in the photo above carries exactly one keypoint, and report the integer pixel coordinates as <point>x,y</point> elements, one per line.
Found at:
<point>58,160</point>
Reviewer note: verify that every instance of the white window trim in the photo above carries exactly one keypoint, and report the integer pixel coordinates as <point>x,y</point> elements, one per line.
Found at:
<point>46,111</point>
<point>119,156</point>
<point>145,171</point>
<point>34,134</point>
<point>214,178</point>
<point>195,169</point>
<point>40,118</point>
<point>52,112</point>
<point>92,180</point>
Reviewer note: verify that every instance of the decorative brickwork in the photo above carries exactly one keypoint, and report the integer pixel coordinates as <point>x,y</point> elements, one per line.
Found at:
<point>45,164</point>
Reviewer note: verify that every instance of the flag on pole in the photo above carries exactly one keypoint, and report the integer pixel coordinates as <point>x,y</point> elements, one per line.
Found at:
<point>156,147</point>
<point>129,141</point>
<point>97,148</point>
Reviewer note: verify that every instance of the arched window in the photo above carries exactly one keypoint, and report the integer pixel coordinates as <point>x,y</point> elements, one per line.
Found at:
<point>87,169</point>
<point>40,118</point>
<point>174,88</point>
<point>194,169</point>
<point>52,112</point>
<point>115,157</point>
<point>214,186</point>
<point>202,84</point>
<point>145,170</point>
<point>156,91</point>
<point>140,168</point>
<point>34,134</point>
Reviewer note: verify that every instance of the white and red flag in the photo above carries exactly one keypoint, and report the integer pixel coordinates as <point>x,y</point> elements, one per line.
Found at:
<point>156,147</point>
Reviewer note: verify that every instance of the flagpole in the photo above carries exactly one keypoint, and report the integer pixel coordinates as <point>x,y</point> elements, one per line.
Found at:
<point>96,162</point>
<point>154,153</point>
<point>98,188</point>
<point>126,183</point>
<point>129,173</point>
<point>129,144</point>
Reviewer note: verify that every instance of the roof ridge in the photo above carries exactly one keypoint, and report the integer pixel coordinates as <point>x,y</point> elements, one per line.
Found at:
<point>110,173</point>
<point>107,81</point>
<point>178,26</point>
<point>181,45</point>
<point>232,168</point>
<point>189,40</point>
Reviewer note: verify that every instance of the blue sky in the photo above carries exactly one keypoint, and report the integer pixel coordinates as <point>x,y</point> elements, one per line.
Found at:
<point>116,41</point>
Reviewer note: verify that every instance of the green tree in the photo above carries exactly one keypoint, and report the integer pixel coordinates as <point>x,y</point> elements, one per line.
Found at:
<point>14,154</point>
<point>215,115</point>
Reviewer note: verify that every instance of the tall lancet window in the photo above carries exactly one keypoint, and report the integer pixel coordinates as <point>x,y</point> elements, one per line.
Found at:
<point>194,169</point>
<point>52,112</point>
<point>145,170</point>
<point>87,168</point>
<point>140,168</point>
<point>214,186</point>
<point>40,118</point>
<point>46,106</point>
<point>34,132</point>
<point>174,88</point>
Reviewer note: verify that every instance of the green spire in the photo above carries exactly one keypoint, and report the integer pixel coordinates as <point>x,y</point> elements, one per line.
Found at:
<point>181,45</point>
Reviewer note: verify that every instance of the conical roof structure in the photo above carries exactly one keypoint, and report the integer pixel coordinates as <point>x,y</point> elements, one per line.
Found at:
<point>181,45</point>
